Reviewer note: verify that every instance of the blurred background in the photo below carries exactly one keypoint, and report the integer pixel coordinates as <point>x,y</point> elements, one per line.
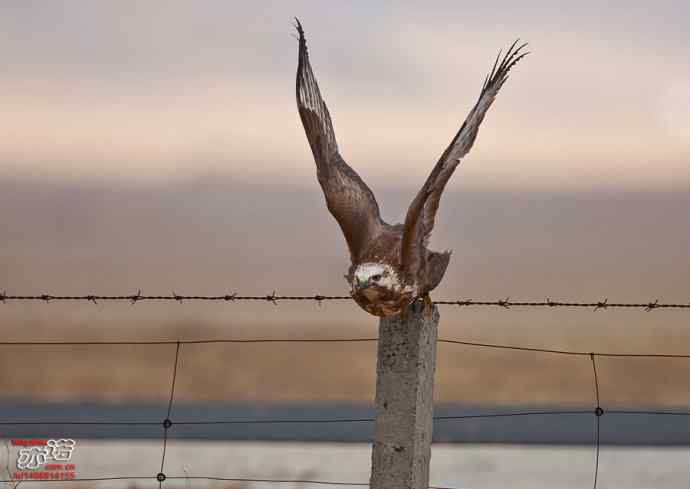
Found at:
<point>157,146</point>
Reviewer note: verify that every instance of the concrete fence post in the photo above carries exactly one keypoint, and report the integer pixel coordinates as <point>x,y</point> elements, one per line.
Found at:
<point>404,399</point>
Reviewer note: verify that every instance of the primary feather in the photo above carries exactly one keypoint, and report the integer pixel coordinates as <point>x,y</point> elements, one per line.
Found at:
<point>421,214</point>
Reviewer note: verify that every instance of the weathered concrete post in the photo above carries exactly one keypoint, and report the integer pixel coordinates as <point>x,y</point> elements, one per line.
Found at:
<point>404,399</point>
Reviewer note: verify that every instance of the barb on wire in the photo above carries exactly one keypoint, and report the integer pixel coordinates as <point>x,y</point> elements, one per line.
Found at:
<point>601,305</point>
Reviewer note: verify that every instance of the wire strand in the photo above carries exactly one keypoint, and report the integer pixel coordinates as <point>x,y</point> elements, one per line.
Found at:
<point>598,412</point>
<point>338,340</point>
<point>457,417</point>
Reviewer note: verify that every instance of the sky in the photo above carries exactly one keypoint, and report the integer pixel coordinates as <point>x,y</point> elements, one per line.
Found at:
<point>163,92</point>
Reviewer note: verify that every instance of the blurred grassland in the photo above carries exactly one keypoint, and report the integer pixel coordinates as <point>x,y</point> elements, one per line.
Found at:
<point>215,237</point>
<point>331,371</point>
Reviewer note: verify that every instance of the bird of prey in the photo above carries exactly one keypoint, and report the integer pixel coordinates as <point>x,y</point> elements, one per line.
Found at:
<point>391,264</point>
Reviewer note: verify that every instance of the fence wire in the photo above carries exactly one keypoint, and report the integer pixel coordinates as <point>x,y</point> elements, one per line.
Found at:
<point>167,423</point>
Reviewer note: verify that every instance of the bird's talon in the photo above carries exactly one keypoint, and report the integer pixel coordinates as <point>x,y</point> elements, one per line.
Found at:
<point>428,305</point>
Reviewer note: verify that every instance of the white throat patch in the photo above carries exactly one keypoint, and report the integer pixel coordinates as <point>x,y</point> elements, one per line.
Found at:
<point>389,278</point>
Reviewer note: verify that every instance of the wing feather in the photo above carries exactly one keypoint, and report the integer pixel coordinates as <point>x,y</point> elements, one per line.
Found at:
<point>348,198</point>
<point>421,214</point>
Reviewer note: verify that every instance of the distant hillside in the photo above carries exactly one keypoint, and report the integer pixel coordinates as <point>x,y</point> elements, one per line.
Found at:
<point>210,238</point>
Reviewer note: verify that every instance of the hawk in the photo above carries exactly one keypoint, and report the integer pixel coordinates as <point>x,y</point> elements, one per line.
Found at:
<point>391,264</point>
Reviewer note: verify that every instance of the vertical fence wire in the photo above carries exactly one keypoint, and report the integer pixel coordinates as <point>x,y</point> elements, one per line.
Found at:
<point>598,411</point>
<point>167,423</point>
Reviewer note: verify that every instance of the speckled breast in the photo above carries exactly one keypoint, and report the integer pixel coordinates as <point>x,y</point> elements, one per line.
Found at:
<point>386,305</point>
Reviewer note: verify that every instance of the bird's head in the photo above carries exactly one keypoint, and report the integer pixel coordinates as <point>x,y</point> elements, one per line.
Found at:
<point>377,288</point>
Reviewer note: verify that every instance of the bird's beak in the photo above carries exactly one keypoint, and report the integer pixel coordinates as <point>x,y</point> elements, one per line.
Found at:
<point>371,294</point>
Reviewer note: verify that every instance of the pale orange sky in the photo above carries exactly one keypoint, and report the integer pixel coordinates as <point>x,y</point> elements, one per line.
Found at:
<point>160,91</point>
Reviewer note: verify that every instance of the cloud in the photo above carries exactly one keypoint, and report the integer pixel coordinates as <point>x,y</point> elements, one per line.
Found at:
<point>141,91</point>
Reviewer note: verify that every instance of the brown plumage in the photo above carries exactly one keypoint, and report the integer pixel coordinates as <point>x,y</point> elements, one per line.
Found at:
<point>391,264</point>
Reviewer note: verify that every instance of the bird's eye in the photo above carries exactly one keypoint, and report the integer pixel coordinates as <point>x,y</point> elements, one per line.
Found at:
<point>376,277</point>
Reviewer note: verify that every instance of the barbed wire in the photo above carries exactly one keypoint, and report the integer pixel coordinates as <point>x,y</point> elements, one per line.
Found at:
<point>274,298</point>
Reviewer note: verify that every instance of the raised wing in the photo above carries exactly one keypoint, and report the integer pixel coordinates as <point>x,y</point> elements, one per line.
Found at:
<point>419,221</point>
<point>348,198</point>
